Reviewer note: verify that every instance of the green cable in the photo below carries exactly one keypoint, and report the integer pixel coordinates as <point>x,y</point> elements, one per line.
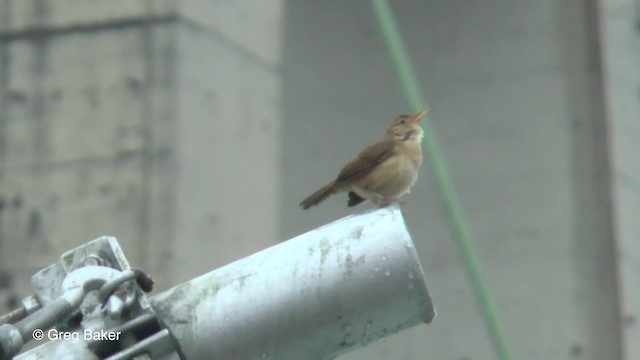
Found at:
<point>415,98</point>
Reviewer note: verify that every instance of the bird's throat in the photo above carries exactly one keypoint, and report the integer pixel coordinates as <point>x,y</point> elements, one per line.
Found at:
<point>413,136</point>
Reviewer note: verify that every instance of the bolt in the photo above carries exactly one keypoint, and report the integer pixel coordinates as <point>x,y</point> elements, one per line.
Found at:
<point>92,260</point>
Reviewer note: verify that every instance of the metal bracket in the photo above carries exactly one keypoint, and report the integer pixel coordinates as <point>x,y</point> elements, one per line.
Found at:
<point>93,290</point>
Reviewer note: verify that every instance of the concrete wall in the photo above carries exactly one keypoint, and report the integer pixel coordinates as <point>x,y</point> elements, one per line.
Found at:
<point>75,135</point>
<point>517,103</point>
<point>228,136</point>
<point>137,119</point>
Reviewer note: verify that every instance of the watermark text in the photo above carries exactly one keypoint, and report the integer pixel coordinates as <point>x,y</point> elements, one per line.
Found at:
<point>75,336</point>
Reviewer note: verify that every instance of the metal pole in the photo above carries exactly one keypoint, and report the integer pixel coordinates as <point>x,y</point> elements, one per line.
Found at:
<point>321,294</point>
<point>316,296</point>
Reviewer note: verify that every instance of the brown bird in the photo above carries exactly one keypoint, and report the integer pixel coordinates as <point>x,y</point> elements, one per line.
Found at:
<point>384,171</point>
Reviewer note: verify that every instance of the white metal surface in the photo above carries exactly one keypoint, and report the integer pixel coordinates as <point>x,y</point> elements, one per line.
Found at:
<point>323,293</point>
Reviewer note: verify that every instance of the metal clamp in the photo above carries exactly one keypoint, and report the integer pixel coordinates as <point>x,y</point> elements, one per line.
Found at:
<point>91,288</point>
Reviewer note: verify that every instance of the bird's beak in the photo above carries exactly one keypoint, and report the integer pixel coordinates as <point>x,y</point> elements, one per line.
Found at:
<point>417,117</point>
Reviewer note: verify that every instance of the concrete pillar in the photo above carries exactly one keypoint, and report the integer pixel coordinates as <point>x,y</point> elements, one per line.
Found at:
<point>621,56</point>
<point>153,121</point>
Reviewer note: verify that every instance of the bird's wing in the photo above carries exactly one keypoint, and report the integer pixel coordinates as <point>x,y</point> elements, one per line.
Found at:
<point>366,161</point>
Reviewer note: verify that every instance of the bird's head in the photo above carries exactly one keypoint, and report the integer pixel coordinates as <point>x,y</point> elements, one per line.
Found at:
<point>407,127</point>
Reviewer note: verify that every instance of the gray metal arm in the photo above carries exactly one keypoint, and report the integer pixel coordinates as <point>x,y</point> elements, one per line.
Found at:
<point>321,294</point>
<point>316,296</point>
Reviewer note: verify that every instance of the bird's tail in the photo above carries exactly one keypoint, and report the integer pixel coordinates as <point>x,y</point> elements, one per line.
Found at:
<point>318,196</point>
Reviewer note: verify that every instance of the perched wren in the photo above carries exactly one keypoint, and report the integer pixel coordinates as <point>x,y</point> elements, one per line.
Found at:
<point>384,171</point>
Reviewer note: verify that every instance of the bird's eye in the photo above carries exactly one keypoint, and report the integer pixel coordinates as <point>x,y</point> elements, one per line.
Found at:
<point>402,121</point>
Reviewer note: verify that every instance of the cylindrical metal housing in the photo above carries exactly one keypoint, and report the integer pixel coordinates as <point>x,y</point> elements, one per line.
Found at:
<point>321,294</point>
<point>316,296</point>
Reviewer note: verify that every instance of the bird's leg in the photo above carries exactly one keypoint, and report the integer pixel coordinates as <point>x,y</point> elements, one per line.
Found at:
<point>382,201</point>
<point>379,200</point>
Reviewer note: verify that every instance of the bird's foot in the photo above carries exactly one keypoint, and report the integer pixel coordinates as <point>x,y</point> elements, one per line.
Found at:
<point>383,202</point>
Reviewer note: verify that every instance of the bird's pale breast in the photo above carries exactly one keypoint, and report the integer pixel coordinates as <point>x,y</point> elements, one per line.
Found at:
<point>392,178</point>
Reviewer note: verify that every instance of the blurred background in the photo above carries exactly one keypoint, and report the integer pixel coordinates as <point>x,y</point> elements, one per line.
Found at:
<point>191,130</point>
